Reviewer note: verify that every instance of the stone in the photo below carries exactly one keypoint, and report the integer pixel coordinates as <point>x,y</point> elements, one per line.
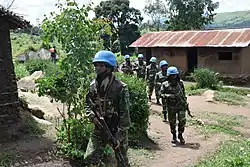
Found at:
<point>209,95</point>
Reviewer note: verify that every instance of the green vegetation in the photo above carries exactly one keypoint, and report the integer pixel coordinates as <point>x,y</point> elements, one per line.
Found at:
<point>20,70</point>
<point>7,159</point>
<point>230,154</point>
<point>207,79</point>
<point>22,42</point>
<point>237,19</point>
<point>230,98</point>
<point>139,108</point>
<point>219,123</point>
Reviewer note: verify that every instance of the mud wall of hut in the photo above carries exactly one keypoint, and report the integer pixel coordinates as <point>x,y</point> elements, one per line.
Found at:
<point>8,86</point>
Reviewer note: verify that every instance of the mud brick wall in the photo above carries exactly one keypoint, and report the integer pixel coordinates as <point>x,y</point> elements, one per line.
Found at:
<point>8,86</point>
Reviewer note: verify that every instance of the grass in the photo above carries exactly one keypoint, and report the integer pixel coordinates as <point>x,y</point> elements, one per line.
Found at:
<point>192,90</point>
<point>20,70</point>
<point>230,154</point>
<point>230,98</point>
<point>22,42</point>
<point>219,123</point>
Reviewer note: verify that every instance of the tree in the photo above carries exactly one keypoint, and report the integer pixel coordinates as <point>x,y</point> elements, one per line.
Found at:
<point>190,14</point>
<point>156,10</point>
<point>124,21</point>
<point>80,40</point>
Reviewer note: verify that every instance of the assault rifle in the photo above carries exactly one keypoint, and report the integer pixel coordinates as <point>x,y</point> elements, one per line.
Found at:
<point>186,103</point>
<point>105,128</point>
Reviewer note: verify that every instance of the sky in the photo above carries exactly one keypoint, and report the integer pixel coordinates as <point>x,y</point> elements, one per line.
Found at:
<point>33,9</point>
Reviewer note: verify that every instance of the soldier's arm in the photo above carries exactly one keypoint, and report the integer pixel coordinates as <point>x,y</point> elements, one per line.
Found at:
<point>89,107</point>
<point>124,115</point>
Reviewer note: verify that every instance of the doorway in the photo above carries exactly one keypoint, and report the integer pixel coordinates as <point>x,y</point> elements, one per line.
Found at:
<point>192,59</point>
<point>148,55</point>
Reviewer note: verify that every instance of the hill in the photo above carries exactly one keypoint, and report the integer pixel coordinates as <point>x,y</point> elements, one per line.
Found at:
<point>239,19</point>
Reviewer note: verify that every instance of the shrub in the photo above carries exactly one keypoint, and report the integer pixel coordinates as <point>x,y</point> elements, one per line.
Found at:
<point>73,137</point>
<point>139,108</point>
<point>20,70</point>
<point>46,66</point>
<point>206,78</point>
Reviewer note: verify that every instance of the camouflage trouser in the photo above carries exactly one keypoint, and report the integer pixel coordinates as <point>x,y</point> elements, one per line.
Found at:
<point>151,87</point>
<point>94,155</point>
<point>181,116</point>
<point>164,106</point>
<point>157,90</point>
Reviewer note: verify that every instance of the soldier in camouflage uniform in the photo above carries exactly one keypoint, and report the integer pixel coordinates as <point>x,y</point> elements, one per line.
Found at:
<point>173,91</point>
<point>161,77</point>
<point>151,71</point>
<point>113,96</point>
<point>140,67</point>
<point>127,66</point>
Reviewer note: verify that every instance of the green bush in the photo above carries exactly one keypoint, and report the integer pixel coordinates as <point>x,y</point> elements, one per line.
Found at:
<point>206,78</point>
<point>73,136</point>
<point>20,70</point>
<point>139,108</point>
<point>46,66</point>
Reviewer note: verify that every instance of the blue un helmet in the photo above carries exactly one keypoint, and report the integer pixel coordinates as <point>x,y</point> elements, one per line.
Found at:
<point>140,56</point>
<point>172,71</point>
<point>153,60</point>
<point>126,57</point>
<point>162,63</point>
<point>104,56</point>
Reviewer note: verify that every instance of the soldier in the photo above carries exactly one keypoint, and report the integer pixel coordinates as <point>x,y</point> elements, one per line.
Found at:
<point>113,97</point>
<point>151,71</point>
<point>127,66</point>
<point>140,67</point>
<point>161,77</point>
<point>173,91</point>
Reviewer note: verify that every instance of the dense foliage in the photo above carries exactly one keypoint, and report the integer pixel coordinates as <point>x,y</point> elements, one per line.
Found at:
<point>139,108</point>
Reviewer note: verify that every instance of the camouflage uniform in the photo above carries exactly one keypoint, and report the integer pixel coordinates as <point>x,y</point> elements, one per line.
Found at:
<point>140,69</point>
<point>127,68</point>
<point>114,98</point>
<point>175,106</point>
<point>150,78</point>
<point>160,77</point>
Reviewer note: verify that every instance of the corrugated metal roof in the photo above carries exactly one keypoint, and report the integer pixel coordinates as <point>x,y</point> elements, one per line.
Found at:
<point>207,38</point>
<point>15,20</point>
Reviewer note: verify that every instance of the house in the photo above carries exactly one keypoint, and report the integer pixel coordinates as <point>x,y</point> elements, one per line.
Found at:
<point>8,87</point>
<point>225,51</point>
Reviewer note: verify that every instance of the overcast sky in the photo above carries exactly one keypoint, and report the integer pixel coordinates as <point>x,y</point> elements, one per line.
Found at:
<point>33,9</point>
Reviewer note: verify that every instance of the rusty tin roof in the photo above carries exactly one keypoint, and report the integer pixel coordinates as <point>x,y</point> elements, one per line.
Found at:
<point>207,38</point>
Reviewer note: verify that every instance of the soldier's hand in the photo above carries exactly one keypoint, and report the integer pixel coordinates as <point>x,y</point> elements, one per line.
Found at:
<point>118,145</point>
<point>97,123</point>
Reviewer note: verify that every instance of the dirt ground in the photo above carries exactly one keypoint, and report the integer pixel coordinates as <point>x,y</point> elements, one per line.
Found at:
<point>39,152</point>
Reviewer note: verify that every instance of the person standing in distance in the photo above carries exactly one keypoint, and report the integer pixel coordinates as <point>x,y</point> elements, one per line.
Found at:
<point>161,77</point>
<point>151,71</point>
<point>113,97</point>
<point>140,67</point>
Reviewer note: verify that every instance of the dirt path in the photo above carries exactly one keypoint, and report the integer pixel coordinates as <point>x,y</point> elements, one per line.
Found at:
<point>38,152</point>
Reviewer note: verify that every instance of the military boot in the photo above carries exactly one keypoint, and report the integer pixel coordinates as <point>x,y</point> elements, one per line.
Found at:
<point>158,102</point>
<point>174,139</point>
<point>180,137</point>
